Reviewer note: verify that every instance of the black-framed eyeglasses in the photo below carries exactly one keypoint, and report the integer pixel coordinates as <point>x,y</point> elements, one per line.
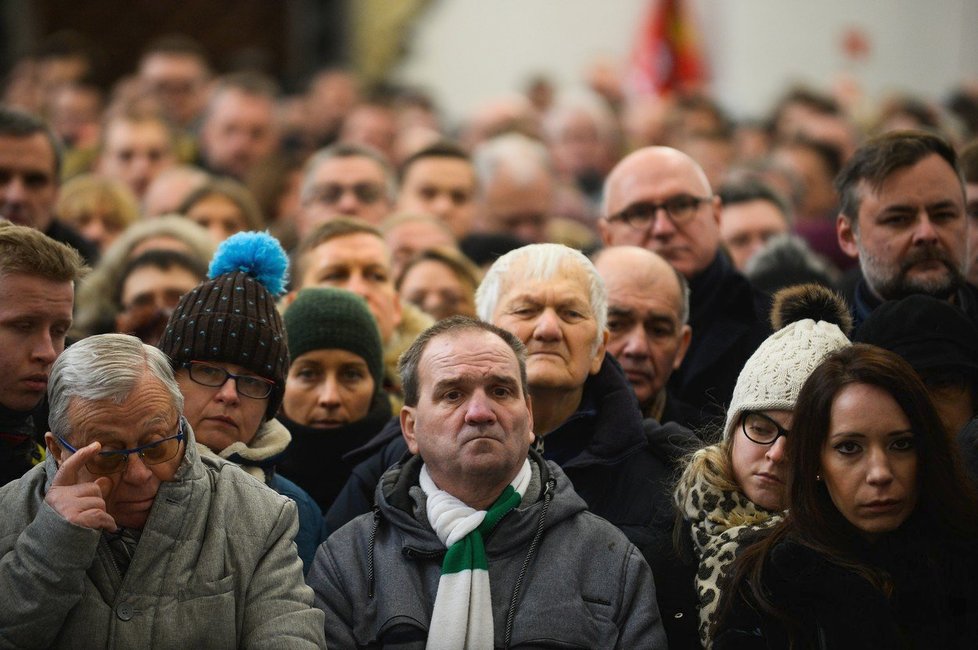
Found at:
<point>113,461</point>
<point>331,193</point>
<point>212,376</point>
<point>761,429</point>
<point>679,209</point>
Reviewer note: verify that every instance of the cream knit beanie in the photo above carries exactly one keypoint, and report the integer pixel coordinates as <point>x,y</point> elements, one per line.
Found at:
<point>811,321</point>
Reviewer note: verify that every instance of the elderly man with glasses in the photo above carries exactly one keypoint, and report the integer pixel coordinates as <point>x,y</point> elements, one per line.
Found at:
<point>659,198</point>
<point>125,537</point>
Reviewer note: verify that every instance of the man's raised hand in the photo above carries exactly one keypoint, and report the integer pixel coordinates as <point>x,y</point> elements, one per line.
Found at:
<point>81,503</point>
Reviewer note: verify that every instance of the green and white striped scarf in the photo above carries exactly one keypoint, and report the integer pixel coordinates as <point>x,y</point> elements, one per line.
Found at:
<point>462,617</point>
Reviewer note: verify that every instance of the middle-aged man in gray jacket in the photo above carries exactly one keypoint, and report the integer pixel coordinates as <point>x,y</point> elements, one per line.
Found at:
<point>477,542</point>
<point>125,538</point>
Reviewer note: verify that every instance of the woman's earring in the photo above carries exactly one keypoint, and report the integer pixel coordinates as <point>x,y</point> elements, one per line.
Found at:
<point>818,477</point>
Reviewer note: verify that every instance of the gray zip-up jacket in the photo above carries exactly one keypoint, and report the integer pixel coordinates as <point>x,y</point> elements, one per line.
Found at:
<point>560,576</point>
<point>215,567</point>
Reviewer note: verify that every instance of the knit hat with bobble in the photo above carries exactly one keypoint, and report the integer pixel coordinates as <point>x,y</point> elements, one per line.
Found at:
<point>811,321</point>
<point>326,318</point>
<point>232,316</point>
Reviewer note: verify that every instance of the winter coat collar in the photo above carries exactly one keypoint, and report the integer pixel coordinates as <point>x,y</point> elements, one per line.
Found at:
<point>608,423</point>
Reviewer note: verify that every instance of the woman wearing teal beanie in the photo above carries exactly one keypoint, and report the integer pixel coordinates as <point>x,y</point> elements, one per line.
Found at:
<point>334,400</point>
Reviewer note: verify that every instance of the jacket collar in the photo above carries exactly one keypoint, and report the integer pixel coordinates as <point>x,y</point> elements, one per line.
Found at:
<point>609,411</point>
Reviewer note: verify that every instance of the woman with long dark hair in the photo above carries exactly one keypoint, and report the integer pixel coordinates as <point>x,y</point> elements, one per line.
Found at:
<point>729,487</point>
<point>878,545</point>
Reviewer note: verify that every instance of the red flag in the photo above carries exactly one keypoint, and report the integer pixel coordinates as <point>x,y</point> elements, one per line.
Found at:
<point>667,55</point>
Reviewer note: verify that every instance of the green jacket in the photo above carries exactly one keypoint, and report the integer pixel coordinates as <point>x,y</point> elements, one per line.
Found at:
<point>215,567</point>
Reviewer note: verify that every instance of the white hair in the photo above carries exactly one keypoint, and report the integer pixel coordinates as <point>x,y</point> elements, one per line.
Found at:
<point>523,158</point>
<point>540,262</point>
<point>105,367</point>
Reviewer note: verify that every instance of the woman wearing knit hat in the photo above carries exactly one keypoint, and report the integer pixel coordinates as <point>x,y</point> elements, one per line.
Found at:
<point>334,399</point>
<point>739,482</point>
<point>228,349</point>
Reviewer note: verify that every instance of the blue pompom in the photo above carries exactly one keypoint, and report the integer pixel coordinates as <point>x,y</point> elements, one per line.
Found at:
<point>256,253</point>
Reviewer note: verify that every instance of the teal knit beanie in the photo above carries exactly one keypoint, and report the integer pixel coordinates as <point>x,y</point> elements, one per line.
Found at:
<point>325,318</point>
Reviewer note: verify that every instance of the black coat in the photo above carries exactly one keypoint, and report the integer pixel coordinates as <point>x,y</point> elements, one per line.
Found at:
<point>934,601</point>
<point>315,460</point>
<point>864,302</point>
<point>729,321</point>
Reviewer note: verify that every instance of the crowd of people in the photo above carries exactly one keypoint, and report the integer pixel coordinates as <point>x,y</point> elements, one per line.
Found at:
<point>583,370</point>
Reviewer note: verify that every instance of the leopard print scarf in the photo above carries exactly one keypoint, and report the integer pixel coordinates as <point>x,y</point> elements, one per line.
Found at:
<point>717,517</point>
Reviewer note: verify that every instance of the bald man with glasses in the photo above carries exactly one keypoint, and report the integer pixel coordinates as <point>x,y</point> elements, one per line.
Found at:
<point>660,199</point>
<point>125,537</point>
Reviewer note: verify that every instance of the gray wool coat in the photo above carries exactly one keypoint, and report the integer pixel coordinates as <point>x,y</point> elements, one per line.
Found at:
<point>215,567</point>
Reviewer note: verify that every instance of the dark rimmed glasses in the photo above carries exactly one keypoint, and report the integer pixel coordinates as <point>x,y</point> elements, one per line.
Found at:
<point>212,376</point>
<point>679,209</point>
<point>113,461</point>
<point>761,429</point>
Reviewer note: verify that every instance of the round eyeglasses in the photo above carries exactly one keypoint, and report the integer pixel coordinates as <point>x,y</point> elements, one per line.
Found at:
<point>113,461</point>
<point>212,376</point>
<point>761,429</point>
<point>679,209</point>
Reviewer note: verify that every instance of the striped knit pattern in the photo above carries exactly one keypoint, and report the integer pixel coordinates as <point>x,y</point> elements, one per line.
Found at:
<point>462,616</point>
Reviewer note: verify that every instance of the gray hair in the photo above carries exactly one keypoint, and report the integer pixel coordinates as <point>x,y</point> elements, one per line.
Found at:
<point>541,262</point>
<point>347,150</point>
<point>105,367</point>
<point>523,158</point>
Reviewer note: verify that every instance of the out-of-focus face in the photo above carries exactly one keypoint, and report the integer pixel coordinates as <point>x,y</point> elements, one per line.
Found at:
<point>646,334</point>
<point>579,148</point>
<point>28,180</point>
<point>869,460</point>
<point>443,187</point>
<point>101,226</point>
<point>556,322</point>
<point>434,287</point>
<point>760,470</point>
<point>912,232</point>
<point>746,227</point>
<point>147,415</point>
<point>359,263</point>
<point>411,237</point>
<point>219,216</point>
<point>820,198</point>
<point>135,152</point>
<point>178,82</point>
<point>169,190</point>
<point>151,286</point>
<point>221,416</point>
<point>352,186</point>
<point>149,296</point>
<point>653,176</point>
<point>971,195</point>
<point>374,126</point>
<point>518,209</point>
<point>35,314</point>
<point>238,132</point>
<point>327,389</point>
<point>472,424</point>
